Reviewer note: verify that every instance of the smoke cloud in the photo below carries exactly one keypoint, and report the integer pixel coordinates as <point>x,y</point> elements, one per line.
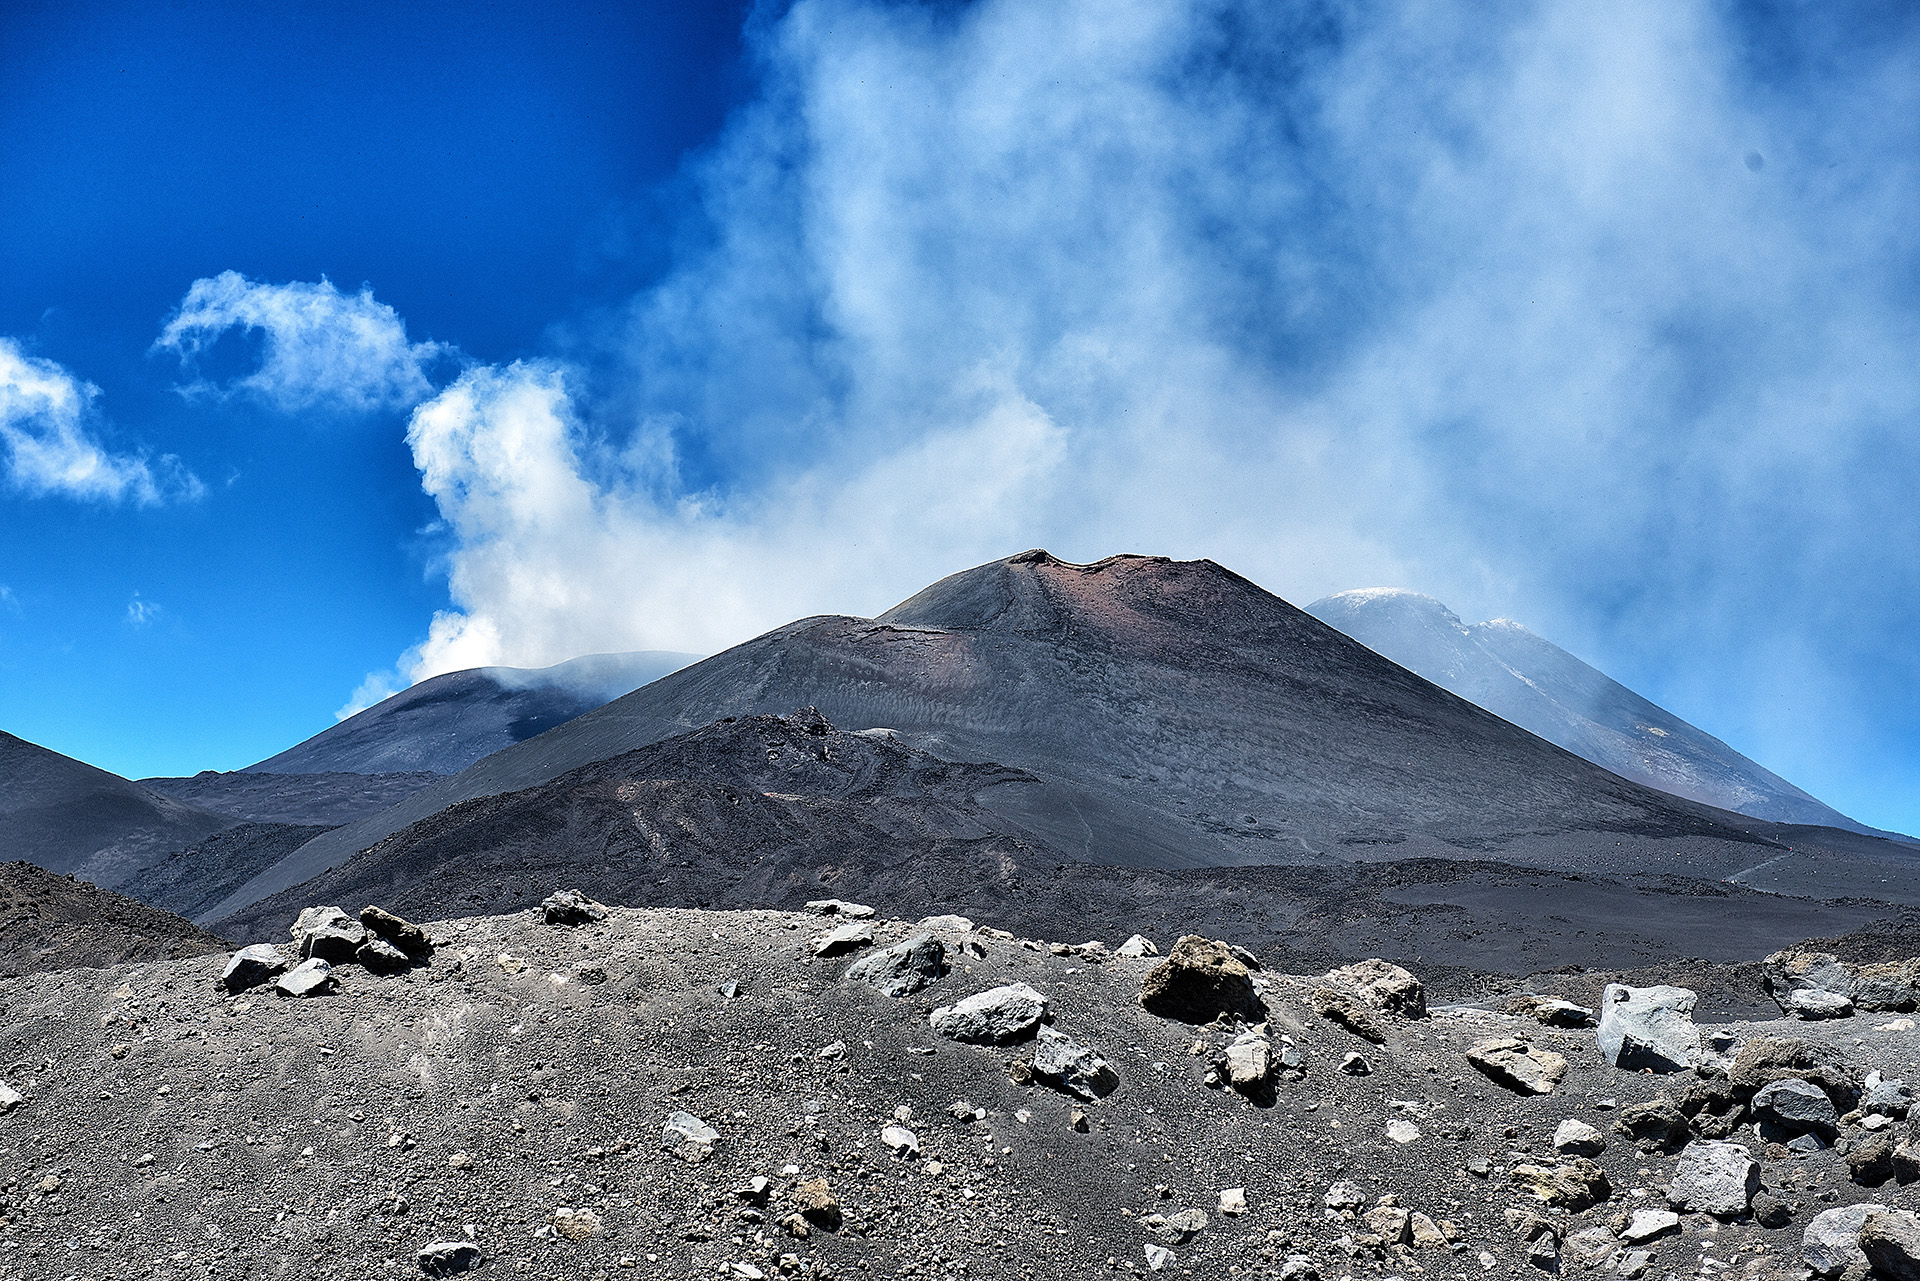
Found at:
<point>1600,318</point>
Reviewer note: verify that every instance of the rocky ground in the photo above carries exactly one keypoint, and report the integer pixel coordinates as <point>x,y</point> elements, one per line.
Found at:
<point>54,922</point>
<point>683,1093</point>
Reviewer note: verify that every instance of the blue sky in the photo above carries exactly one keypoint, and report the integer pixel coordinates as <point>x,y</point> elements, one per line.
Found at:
<point>472,335</point>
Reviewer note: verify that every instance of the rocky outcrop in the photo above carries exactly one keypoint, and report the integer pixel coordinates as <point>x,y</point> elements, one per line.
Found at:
<point>1200,981</point>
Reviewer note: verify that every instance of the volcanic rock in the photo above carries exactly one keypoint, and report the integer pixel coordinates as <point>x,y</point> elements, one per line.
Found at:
<point>1517,1065</point>
<point>1714,1178</point>
<point>843,939</point>
<point>1831,1243</point>
<point>309,978</point>
<point>1574,1137</point>
<point>1649,1027</point>
<point>571,907</point>
<point>1798,1107</point>
<point>327,933</point>
<point>1198,982</point>
<point>1891,1241</point>
<point>995,1016</point>
<point>904,968</point>
<point>840,907</point>
<point>1550,1010</point>
<point>403,934</point>
<point>1384,986</point>
<point>1061,1061</point>
<point>251,966</point>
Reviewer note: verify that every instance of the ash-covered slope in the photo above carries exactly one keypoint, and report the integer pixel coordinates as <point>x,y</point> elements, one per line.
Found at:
<point>446,723</point>
<point>1173,713</point>
<point>69,817</point>
<point>53,922</point>
<point>325,800</point>
<point>1532,682</point>
<point>773,810</point>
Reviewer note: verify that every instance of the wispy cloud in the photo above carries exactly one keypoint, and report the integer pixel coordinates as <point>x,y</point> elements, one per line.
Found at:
<point>46,419</point>
<point>321,348</point>
<point>1603,318</point>
<point>141,612</point>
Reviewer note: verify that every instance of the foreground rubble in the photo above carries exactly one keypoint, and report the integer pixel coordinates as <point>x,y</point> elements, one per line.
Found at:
<point>583,1091</point>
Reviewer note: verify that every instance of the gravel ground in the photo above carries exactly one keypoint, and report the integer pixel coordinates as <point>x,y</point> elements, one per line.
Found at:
<point>513,1093</point>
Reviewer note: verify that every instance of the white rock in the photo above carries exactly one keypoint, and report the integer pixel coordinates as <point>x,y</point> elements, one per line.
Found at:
<point>840,907</point>
<point>10,1098</point>
<point>1714,1178</point>
<point>1649,1027</point>
<point>1233,1201</point>
<point>1577,1138</point>
<point>1138,945</point>
<point>1402,1131</point>
<point>998,1014</point>
<point>1159,1258</point>
<point>901,1141</point>
<point>1647,1224</point>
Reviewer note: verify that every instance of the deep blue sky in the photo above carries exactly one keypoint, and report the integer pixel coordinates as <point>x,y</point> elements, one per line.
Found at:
<point>679,324</point>
<point>487,167</point>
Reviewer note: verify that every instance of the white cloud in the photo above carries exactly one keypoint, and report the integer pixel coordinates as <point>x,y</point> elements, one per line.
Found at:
<point>1487,303</point>
<point>45,413</point>
<point>320,347</point>
<point>142,613</point>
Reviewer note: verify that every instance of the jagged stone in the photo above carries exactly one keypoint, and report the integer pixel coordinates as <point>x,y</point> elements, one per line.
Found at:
<point>1887,986</point>
<point>1798,1107</point>
<point>1523,1068</point>
<point>948,924</point>
<point>1061,1061</point>
<point>1645,1225</point>
<point>900,1141</point>
<point>1766,1059</point>
<point>1346,1010</point>
<point>904,968</point>
<point>251,966</point>
<point>1572,1186</point>
<point>1198,982</point>
<point>1553,1011</point>
<point>815,1202</point>
<point>309,978</point>
<point>1649,1027</point>
<point>995,1016</point>
<point>1137,946</point>
<point>1384,986</point>
<point>445,1258</point>
<point>1831,1243</point>
<point>1870,1161</point>
<point>688,1137</point>
<point>402,933</point>
<point>1654,1126</point>
<point>1891,1241</point>
<point>1714,1178</point>
<point>1249,1063</point>
<point>328,934</point>
<point>840,907</point>
<point>571,907</point>
<point>1574,1137</point>
<point>844,939</point>
<point>382,957</point>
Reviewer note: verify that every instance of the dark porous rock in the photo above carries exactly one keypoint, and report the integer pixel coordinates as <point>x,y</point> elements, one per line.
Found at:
<point>252,966</point>
<point>571,907</point>
<point>1891,1241</point>
<point>1769,1211</point>
<point>1200,981</point>
<point>1656,1125</point>
<point>445,1258</point>
<point>814,1201</point>
<point>904,968</point>
<point>1870,1161</point>
<point>1713,1108</point>
<point>382,957</point>
<point>1888,986</point>
<point>403,934</point>
<point>1063,1062</point>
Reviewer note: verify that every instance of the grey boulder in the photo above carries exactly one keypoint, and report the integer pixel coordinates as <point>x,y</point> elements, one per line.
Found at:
<point>1649,1027</point>
<point>1831,1242</point>
<point>444,1258</point>
<point>1798,1107</point>
<point>904,968</point>
<point>251,966</point>
<point>571,907</point>
<point>309,978</point>
<point>846,938</point>
<point>328,934</point>
<point>995,1015</point>
<point>1061,1061</point>
<point>1577,1138</point>
<point>1714,1178</point>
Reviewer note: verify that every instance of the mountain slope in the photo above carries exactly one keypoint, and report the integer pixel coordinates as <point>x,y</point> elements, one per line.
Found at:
<point>1171,714</point>
<point>445,723</point>
<point>1532,682</point>
<point>69,817</point>
<point>52,922</point>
